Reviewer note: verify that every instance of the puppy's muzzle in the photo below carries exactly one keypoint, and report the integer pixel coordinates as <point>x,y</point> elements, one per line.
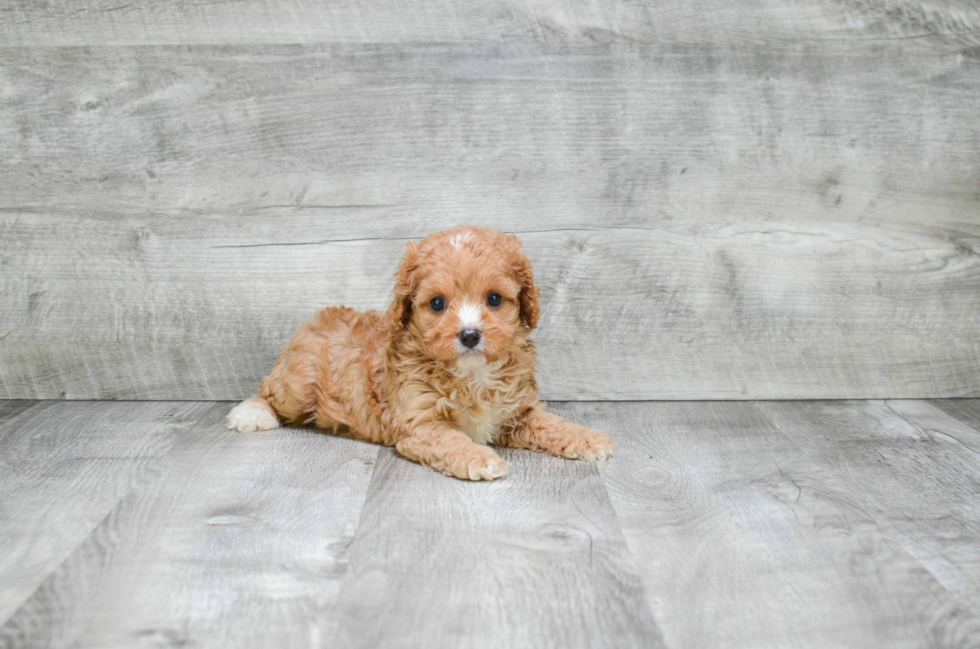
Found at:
<point>470,338</point>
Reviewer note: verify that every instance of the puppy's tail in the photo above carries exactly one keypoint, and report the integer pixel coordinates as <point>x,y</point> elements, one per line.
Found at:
<point>251,415</point>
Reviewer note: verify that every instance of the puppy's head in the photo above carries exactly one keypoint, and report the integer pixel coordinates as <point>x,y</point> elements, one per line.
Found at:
<point>465,295</point>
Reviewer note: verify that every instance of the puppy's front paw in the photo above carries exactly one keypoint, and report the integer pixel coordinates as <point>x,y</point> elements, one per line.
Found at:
<point>589,445</point>
<point>484,464</point>
<point>249,416</point>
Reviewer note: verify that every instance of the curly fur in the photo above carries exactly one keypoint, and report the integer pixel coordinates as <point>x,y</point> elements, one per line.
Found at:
<point>403,379</point>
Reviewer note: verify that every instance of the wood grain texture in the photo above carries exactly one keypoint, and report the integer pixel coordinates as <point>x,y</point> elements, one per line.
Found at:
<point>943,532</point>
<point>913,469</point>
<point>965,410</point>
<point>238,540</point>
<point>11,409</point>
<point>536,560</point>
<point>769,526</point>
<point>737,524</point>
<point>63,467</point>
<point>753,221</point>
<point>96,22</point>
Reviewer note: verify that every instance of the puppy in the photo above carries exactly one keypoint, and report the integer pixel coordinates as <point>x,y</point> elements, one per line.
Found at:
<point>445,371</point>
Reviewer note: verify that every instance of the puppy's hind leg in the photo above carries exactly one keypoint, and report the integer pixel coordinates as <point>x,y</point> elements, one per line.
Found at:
<point>253,414</point>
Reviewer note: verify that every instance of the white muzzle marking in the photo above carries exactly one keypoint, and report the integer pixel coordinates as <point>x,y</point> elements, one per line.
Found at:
<point>470,316</point>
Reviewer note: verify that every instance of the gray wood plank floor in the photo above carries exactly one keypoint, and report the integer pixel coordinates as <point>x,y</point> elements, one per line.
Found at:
<point>737,524</point>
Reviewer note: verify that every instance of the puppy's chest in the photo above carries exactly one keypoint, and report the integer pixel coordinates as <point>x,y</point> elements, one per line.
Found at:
<point>481,411</point>
<point>484,426</point>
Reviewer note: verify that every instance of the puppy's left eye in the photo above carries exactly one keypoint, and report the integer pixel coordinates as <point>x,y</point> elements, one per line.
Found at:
<point>494,299</point>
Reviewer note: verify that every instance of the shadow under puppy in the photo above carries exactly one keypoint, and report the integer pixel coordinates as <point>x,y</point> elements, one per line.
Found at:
<point>445,371</point>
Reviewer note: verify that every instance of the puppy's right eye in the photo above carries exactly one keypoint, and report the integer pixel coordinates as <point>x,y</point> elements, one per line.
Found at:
<point>438,303</point>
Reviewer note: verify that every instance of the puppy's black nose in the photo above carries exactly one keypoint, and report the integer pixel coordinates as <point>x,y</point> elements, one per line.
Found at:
<point>469,337</point>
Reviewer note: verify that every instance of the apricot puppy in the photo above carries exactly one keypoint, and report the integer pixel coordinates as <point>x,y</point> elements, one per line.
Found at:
<point>447,370</point>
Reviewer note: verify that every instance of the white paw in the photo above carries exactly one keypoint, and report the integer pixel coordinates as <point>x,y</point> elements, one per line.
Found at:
<point>247,417</point>
<point>484,469</point>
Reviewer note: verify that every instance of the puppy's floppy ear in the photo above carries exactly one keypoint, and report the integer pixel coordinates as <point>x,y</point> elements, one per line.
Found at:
<point>530,310</point>
<point>400,309</point>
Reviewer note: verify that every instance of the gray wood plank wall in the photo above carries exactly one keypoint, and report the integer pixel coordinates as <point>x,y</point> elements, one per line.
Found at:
<point>722,199</point>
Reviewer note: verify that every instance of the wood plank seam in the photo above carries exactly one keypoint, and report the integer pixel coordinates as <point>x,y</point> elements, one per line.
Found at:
<point>143,476</point>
